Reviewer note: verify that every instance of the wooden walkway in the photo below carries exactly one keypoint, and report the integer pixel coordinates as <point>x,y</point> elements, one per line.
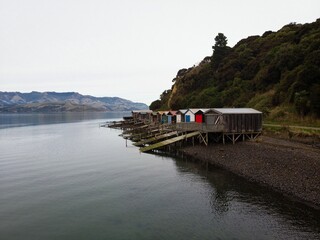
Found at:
<point>169,141</point>
<point>155,138</point>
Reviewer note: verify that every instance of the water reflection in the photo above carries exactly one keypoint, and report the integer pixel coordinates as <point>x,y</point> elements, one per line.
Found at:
<point>26,119</point>
<point>219,198</point>
<point>228,190</point>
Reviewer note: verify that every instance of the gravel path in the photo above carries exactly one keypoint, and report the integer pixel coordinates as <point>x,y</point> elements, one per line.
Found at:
<point>291,168</point>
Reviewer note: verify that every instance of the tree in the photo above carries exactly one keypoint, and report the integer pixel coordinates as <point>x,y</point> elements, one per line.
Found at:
<point>301,102</point>
<point>315,99</point>
<point>155,105</point>
<point>220,50</point>
<point>221,41</point>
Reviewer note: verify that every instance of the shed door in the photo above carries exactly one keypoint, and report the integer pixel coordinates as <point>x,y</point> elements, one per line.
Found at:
<point>199,118</point>
<point>164,119</point>
<point>187,118</point>
<point>178,118</point>
<point>169,119</point>
<point>210,119</point>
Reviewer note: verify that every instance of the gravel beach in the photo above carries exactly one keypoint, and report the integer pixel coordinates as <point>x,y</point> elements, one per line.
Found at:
<point>288,167</point>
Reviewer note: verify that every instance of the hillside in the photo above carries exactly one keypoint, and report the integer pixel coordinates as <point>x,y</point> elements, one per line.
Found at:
<point>277,73</point>
<point>63,102</point>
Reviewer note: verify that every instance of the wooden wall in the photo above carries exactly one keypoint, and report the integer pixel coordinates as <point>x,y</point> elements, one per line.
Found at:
<point>242,122</point>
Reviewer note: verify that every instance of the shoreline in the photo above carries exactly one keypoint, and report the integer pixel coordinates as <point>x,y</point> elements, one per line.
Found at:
<point>290,168</point>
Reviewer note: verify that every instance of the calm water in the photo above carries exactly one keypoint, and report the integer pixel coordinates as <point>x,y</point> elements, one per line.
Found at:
<point>63,177</point>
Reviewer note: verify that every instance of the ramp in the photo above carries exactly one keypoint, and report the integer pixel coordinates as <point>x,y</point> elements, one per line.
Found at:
<point>169,141</point>
<point>155,138</point>
<point>135,129</point>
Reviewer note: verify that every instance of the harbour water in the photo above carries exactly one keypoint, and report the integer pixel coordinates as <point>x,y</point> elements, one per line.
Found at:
<point>64,177</point>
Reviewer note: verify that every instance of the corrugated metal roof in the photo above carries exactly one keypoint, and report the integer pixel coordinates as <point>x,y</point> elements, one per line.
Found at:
<point>173,113</point>
<point>235,110</point>
<point>163,112</point>
<point>182,111</point>
<point>142,111</point>
<point>203,110</point>
<point>218,110</point>
<point>193,110</point>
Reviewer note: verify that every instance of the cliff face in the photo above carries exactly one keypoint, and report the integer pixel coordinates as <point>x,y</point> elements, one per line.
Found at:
<point>276,73</point>
<point>63,102</point>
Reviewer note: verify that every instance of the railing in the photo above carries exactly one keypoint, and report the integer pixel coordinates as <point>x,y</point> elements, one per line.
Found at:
<point>193,126</point>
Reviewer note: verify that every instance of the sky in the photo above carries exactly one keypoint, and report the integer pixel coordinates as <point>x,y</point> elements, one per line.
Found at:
<point>126,48</point>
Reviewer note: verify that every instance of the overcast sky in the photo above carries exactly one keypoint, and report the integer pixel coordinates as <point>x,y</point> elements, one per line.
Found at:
<point>126,48</point>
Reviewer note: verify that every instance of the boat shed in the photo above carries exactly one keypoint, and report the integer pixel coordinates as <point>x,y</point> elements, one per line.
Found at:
<point>162,116</point>
<point>172,117</point>
<point>190,114</point>
<point>235,120</point>
<point>200,115</point>
<point>141,115</point>
<point>154,117</point>
<point>181,115</point>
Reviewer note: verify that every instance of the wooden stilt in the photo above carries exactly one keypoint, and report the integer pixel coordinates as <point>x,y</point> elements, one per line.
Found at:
<point>207,139</point>
<point>207,168</point>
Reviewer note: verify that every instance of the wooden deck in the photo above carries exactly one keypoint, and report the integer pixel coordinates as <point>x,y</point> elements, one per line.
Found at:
<point>202,127</point>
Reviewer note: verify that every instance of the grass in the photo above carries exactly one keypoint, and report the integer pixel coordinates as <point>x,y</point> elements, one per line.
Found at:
<point>287,116</point>
<point>302,133</point>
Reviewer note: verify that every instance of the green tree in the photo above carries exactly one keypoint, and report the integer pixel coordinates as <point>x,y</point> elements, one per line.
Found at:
<point>220,50</point>
<point>315,100</point>
<point>301,102</point>
<point>155,105</point>
<point>221,41</point>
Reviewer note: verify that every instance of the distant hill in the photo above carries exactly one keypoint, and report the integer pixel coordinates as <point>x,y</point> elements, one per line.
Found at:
<point>277,73</point>
<point>63,102</point>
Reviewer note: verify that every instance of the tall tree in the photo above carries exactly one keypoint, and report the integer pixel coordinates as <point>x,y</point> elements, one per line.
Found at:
<point>221,41</point>
<point>220,49</point>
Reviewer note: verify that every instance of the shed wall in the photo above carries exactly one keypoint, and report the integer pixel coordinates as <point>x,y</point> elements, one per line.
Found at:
<point>242,122</point>
<point>190,117</point>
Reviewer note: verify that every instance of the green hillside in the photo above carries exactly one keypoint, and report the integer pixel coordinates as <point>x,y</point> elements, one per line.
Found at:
<point>277,73</point>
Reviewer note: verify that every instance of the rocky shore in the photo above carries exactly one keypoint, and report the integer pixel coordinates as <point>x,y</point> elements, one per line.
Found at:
<point>290,168</point>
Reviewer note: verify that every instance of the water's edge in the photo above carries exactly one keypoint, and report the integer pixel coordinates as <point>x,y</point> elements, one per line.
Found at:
<point>262,174</point>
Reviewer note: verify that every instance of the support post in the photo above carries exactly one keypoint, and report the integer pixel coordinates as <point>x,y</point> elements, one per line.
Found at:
<point>207,167</point>
<point>207,139</point>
